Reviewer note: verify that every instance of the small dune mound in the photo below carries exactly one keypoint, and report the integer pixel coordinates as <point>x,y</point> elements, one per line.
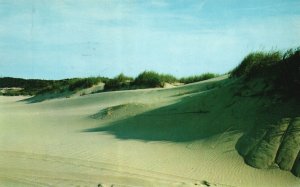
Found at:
<point>119,111</point>
<point>275,144</point>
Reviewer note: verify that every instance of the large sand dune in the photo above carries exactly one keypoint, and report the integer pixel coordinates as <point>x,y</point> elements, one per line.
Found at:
<point>182,136</point>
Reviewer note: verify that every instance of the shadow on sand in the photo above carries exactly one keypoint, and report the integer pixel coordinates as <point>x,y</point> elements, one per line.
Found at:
<point>194,117</point>
<point>198,116</point>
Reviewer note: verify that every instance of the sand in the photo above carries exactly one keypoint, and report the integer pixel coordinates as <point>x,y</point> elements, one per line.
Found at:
<point>182,136</point>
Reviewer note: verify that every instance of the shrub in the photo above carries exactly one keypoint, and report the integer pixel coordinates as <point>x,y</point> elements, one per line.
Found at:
<point>197,78</point>
<point>119,82</point>
<point>153,79</point>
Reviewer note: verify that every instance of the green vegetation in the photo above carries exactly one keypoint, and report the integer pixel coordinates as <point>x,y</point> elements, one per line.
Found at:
<point>11,92</point>
<point>150,79</point>
<point>197,78</point>
<point>281,70</point>
<point>18,86</point>
<point>289,71</point>
<point>77,84</point>
<point>147,79</point>
<point>28,86</point>
<point>120,82</point>
<point>256,63</point>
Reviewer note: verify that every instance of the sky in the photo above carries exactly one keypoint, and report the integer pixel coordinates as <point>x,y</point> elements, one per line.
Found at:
<point>56,39</point>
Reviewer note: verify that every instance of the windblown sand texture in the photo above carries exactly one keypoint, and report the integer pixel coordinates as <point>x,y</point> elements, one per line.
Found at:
<point>181,136</point>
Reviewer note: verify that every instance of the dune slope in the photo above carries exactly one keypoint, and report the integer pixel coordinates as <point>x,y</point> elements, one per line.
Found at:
<point>182,136</point>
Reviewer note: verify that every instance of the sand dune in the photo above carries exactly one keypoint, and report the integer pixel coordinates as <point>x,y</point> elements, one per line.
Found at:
<point>182,136</point>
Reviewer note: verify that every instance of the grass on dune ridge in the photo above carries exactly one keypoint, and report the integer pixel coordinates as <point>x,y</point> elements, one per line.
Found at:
<point>280,69</point>
<point>38,86</point>
<point>146,79</point>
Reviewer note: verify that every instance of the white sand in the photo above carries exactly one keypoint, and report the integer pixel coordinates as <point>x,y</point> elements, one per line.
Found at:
<point>53,143</point>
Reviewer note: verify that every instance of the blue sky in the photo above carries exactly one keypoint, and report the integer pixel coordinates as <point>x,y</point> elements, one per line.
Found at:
<point>54,39</point>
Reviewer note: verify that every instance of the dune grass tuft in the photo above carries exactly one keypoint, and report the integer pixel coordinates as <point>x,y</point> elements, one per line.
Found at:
<point>282,70</point>
<point>119,82</point>
<point>153,79</point>
<point>197,78</point>
<point>256,63</point>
